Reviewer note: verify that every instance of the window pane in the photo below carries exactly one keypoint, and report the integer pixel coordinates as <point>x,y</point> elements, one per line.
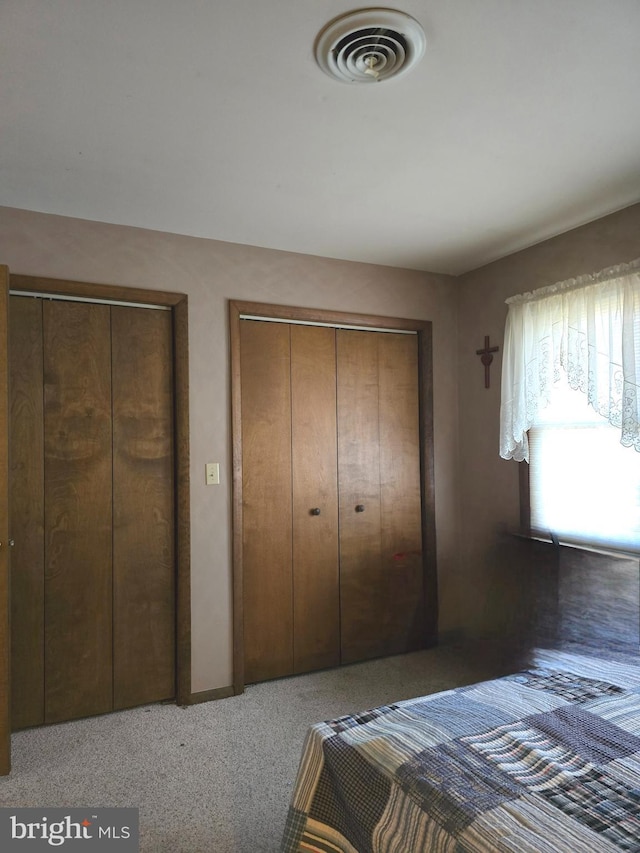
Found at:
<point>585,487</point>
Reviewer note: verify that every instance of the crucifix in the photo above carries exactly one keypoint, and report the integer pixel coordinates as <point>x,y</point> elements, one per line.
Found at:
<point>486,357</point>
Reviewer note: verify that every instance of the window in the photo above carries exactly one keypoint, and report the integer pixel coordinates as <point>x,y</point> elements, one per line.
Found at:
<point>583,445</point>
<point>584,486</point>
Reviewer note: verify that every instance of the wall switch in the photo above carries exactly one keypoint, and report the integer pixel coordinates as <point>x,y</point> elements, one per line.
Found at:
<point>212,473</point>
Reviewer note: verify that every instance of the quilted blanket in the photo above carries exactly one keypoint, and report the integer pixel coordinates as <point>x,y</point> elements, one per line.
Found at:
<point>544,760</point>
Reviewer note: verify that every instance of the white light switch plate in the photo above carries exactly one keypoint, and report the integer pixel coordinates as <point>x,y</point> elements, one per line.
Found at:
<point>212,473</point>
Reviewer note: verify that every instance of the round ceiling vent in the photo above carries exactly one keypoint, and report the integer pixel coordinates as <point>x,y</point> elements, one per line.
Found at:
<point>370,45</point>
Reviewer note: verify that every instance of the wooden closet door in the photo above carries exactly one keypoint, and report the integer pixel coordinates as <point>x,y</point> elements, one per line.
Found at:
<point>26,486</point>
<point>382,607</point>
<point>266,495</point>
<point>143,507</point>
<point>401,516</point>
<point>78,501</point>
<point>362,586</point>
<point>5,561</point>
<point>316,594</point>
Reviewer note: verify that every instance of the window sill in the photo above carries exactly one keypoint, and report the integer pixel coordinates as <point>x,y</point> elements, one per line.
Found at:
<point>550,539</point>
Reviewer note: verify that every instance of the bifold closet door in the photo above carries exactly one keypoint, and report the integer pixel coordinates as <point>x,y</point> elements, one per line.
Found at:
<point>266,497</point>
<point>143,507</point>
<point>77,510</point>
<point>93,598</point>
<point>400,495</point>
<point>316,591</point>
<point>361,572</point>
<point>381,575</point>
<point>290,529</point>
<point>332,521</point>
<point>26,488</point>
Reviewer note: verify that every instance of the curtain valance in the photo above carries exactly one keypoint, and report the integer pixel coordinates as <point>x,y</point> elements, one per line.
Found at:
<point>584,332</point>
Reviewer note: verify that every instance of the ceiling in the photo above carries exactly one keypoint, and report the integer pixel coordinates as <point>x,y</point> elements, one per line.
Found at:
<point>212,119</point>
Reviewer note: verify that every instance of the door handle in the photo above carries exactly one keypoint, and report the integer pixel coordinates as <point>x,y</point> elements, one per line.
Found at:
<point>315,511</point>
<point>360,508</point>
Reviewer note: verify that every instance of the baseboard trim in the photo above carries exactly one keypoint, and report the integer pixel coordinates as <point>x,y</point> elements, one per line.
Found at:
<point>211,695</point>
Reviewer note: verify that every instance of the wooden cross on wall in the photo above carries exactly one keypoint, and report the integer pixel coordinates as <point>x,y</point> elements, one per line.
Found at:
<point>486,357</point>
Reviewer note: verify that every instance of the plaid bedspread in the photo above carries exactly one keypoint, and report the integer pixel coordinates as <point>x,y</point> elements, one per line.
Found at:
<point>544,760</point>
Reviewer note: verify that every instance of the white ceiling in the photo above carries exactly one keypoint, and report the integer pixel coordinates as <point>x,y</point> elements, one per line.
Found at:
<point>212,119</point>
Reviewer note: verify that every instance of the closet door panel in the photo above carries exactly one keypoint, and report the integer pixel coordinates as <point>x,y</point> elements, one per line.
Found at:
<point>361,587</point>
<point>5,560</point>
<point>266,496</point>
<point>401,534</point>
<point>316,603</point>
<point>143,507</point>
<point>26,486</point>
<point>78,503</point>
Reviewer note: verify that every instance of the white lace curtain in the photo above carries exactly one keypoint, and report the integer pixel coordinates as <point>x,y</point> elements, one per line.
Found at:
<point>584,332</point>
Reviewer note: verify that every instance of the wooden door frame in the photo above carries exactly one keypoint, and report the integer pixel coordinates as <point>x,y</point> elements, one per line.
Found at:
<point>5,562</point>
<point>423,328</point>
<point>178,304</point>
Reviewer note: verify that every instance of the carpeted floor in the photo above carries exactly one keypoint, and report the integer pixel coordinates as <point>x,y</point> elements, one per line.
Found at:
<point>218,776</point>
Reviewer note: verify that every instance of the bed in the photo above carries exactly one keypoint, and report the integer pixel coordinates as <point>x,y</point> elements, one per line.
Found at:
<point>547,759</point>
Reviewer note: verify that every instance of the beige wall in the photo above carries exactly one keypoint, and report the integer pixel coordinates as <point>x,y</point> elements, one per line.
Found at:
<point>211,272</point>
<point>485,582</point>
<point>473,485</point>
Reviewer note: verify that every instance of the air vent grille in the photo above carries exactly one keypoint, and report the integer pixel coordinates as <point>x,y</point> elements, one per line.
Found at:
<point>370,45</point>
